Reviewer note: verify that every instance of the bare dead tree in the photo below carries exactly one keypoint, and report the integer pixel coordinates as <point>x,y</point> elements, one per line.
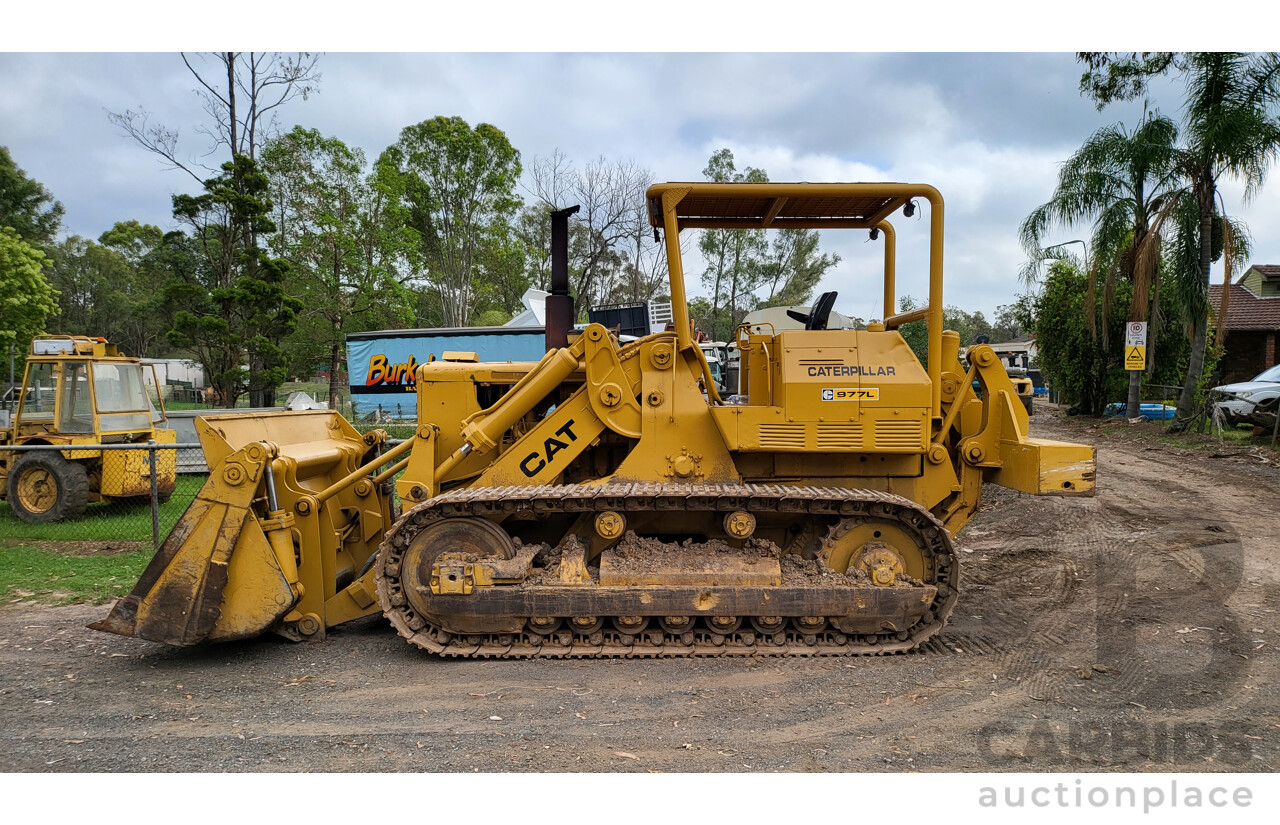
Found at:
<point>646,266</point>
<point>241,93</point>
<point>609,193</point>
<point>552,180</point>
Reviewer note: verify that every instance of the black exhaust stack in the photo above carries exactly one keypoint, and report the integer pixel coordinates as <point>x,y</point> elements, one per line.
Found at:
<point>559,306</point>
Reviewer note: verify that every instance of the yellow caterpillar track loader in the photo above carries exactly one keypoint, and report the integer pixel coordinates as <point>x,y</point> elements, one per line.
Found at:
<point>607,501</point>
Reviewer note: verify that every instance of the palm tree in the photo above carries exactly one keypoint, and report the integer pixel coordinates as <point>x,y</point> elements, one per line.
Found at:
<point>1230,130</point>
<point>1229,240</point>
<point>1119,181</point>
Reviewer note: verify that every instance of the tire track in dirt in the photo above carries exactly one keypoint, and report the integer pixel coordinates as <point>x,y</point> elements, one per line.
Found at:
<point>1044,583</point>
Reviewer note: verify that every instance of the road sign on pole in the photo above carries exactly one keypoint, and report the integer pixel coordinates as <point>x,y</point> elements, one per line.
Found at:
<point>1135,345</point>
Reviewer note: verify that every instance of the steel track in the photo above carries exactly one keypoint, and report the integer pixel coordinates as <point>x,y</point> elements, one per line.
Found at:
<point>701,640</point>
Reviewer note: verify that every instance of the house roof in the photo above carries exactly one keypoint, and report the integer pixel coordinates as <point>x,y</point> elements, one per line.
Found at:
<point>1267,270</point>
<point>1246,310</point>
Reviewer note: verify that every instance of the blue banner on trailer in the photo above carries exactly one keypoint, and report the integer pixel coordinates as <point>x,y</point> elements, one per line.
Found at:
<point>380,365</point>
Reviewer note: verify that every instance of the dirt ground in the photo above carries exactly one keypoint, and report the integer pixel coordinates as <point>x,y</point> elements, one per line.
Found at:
<point>1136,630</point>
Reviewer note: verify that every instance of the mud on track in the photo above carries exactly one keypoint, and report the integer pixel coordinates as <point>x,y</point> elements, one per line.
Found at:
<point>1133,631</point>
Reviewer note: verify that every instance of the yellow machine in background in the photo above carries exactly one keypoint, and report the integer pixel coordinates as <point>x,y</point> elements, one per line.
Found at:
<point>607,501</point>
<point>1016,363</point>
<point>81,391</point>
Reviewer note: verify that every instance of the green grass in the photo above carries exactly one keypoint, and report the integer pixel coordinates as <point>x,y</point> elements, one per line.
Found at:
<point>1238,435</point>
<point>392,430</point>
<point>1231,439</point>
<point>109,522</point>
<point>60,577</point>
<point>1211,440</point>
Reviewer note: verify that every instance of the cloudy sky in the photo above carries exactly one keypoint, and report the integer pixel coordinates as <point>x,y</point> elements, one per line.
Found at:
<point>987,129</point>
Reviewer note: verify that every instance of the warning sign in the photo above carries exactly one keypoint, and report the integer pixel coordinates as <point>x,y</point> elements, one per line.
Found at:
<point>1135,345</point>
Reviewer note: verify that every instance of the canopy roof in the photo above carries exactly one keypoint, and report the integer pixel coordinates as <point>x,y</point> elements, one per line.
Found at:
<point>783,205</point>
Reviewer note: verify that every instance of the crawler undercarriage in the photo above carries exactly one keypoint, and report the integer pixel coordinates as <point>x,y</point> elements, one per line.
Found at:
<point>795,588</point>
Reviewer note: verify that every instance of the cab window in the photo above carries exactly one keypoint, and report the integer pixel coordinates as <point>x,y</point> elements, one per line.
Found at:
<point>76,415</point>
<point>122,397</point>
<point>39,395</point>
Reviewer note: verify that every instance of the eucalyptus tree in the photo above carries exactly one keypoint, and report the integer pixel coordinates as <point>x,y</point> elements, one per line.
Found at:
<point>1229,130</point>
<point>610,194</point>
<point>645,258</point>
<point>532,229</point>
<point>735,257</point>
<point>793,267</point>
<point>114,288</point>
<point>502,277</point>
<point>25,293</point>
<point>146,248</point>
<point>342,243</point>
<point>26,206</point>
<point>93,283</point>
<point>241,92</point>
<point>1118,181</point>
<point>457,187</point>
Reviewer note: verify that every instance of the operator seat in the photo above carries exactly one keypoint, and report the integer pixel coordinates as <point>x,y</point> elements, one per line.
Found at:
<point>818,314</point>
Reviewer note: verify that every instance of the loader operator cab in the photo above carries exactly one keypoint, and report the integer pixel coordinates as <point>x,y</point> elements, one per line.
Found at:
<point>798,390</point>
<point>81,386</point>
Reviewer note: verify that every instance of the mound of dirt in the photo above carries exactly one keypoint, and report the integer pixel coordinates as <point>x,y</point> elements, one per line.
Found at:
<point>638,553</point>
<point>801,572</point>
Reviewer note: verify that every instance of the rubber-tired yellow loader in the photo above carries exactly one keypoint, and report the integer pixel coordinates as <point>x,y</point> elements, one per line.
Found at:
<point>608,501</point>
<point>85,393</point>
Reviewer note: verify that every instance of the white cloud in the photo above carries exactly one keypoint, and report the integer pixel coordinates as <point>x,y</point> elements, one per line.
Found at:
<point>988,130</point>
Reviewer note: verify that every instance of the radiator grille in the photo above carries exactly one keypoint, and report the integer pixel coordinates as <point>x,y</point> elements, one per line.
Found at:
<point>899,435</point>
<point>782,436</point>
<point>839,437</point>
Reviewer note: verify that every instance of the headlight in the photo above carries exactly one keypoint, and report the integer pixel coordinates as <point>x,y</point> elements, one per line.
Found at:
<point>1244,396</point>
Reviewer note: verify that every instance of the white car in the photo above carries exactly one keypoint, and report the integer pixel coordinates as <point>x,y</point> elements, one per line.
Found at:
<point>1239,401</point>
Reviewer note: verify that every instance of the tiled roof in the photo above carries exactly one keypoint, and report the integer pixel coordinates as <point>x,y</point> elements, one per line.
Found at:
<point>1268,270</point>
<point>1246,310</point>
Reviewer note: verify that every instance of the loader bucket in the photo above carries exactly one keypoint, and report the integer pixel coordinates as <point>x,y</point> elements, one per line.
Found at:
<point>279,529</point>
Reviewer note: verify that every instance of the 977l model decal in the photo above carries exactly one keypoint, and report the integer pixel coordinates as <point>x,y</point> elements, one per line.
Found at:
<point>851,394</point>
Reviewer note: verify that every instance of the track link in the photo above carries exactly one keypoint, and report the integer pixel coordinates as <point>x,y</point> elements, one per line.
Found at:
<point>700,640</point>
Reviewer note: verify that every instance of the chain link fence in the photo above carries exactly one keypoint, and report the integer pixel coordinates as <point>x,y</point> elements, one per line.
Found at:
<point>398,422</point>
<point>117,496</point>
